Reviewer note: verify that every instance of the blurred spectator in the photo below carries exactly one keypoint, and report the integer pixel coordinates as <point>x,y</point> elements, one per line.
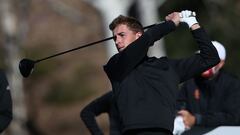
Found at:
<point>100,105</point>
<point>210,99</point>
<point>5,102</point>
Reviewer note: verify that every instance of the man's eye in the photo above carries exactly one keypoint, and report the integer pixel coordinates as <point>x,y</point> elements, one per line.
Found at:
<point>121,34</point>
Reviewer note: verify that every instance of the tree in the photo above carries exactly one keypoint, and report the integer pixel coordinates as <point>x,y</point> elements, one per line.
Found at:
<point>10,31</point>
<point>110,9</point>
<point>149,15</point>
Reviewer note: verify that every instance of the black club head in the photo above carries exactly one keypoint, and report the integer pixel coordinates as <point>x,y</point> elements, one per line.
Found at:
<point>26,67</point>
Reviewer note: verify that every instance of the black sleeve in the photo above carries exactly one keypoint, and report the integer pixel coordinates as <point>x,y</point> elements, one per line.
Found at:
<point>196,64</point>
<point>5,103</point>
<point>123,62</point>
<point>95,108</point>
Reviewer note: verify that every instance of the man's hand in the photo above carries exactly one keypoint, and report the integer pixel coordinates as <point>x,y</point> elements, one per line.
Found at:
<point>188,119</point>
<point>173,17</point>
<point>189,17</point>
<point>179,126</point>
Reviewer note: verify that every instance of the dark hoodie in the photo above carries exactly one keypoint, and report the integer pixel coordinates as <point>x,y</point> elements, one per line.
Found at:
<point>145,89</point>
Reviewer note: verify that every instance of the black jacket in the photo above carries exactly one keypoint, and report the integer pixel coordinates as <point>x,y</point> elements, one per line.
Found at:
<point>5,103</point>
<point>103,104</point>
<point>145,89</point>
<point>214,102</point>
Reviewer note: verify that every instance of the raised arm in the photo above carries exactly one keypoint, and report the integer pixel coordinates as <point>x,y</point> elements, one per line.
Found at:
<point>196,64</point>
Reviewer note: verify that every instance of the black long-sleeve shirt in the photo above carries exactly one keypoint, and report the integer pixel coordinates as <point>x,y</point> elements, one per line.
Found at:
<point>215,102</point>
<point>103,104</point>
<point>5,102</point>
<point>145,88</point>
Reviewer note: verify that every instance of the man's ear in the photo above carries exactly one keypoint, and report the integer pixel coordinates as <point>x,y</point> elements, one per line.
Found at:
<point>139,34</point>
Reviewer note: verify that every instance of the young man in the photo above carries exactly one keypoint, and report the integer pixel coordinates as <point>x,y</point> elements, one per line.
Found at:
<point>212,98</point>
<point>5,102</point>
<point>145,88</point>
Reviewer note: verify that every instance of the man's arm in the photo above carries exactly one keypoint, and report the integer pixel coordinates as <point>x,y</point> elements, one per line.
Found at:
<point>208,56</point>
<point>210,118</point>
<point>95,108</point>
<point>5,103</point>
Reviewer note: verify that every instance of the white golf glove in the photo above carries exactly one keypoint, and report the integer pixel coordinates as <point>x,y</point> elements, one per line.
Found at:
<point>179,126</point>
<point>188,17</point>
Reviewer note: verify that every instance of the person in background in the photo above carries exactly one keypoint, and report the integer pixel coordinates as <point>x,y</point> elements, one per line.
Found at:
<point>99,106</point>
<point>145,88</point>
<point>5,102</point>
<point>210,99</point>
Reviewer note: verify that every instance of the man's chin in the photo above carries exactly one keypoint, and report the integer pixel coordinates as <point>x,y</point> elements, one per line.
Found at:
<point>120,49</point>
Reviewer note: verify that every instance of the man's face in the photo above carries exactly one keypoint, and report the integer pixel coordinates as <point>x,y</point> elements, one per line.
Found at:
<point>213,71</point>
<point>124,36</point>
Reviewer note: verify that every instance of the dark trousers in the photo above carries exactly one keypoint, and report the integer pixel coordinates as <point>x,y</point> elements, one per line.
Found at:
<point>148,131</point>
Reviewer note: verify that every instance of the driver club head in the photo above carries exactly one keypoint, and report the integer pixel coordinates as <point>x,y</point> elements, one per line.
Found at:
<point>26,67</point>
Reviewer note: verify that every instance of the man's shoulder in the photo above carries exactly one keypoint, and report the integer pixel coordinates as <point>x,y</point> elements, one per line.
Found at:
<point>163,58</point>
<point>230,75</point>
<point>229,80</point>
<point>162,62</point>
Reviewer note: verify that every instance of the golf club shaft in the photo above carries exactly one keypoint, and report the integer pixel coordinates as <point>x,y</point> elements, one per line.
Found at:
<point>83,46</point>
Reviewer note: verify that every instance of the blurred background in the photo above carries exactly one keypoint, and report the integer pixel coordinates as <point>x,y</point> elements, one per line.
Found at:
<point>50,100</point>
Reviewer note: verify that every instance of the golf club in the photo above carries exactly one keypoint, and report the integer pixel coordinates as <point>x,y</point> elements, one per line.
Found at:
<point>26,66</point>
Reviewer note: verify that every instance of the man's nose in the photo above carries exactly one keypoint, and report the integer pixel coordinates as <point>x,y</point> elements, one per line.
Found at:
<point>117,40</point>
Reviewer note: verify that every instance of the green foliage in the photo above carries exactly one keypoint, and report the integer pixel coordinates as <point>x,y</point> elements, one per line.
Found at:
<point>180,43</point>
<point>76,89</point>
<point>63,93</point>
<point>38,52</point>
